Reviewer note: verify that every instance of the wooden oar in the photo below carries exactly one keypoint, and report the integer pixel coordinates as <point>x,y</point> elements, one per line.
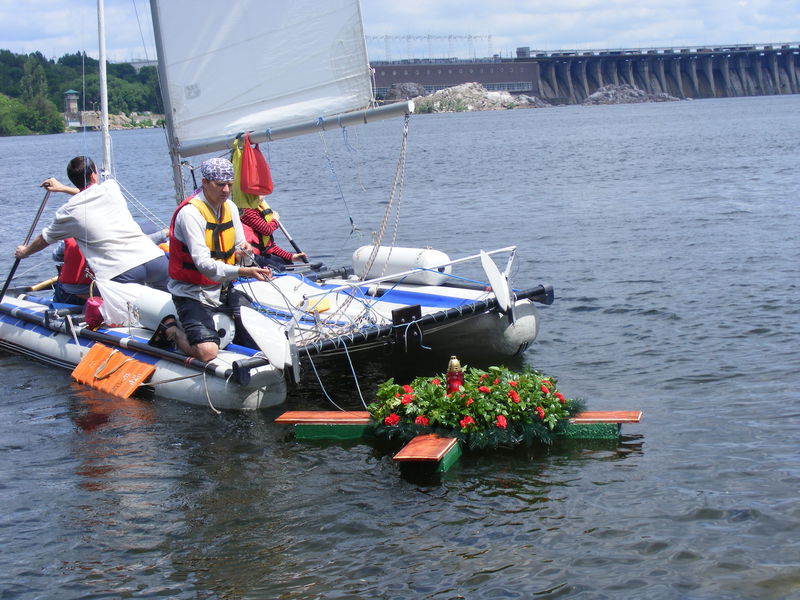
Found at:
<point>27,241</point>
<point>44,284</point>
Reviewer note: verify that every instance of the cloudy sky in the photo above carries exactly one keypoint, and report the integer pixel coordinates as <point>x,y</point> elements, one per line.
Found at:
<point>420,28</point>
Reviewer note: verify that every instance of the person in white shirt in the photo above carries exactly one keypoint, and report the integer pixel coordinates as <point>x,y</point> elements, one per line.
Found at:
<point>206,239</point>
<point>97,216</point>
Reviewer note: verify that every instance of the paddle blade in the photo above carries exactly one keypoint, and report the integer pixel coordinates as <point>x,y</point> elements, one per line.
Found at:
<point>497,280</point>
<point>268,336</point>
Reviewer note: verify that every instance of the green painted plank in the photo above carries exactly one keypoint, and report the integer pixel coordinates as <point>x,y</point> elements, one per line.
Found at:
<point>449,459</point>
<point>591,431</point>
<point>315,431</point>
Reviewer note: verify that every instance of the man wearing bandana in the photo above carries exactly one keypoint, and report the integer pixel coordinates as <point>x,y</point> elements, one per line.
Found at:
<point>205,240</point>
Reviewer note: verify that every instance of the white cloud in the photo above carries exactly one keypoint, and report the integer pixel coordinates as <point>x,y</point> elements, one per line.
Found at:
<point>56,27</point>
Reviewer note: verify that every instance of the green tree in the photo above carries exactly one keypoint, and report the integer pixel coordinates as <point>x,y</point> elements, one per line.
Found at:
<point>148,76</point>
<point>10,73</point>
<point>40,114</point>
<point>10,112</point>
<point>33,85</point>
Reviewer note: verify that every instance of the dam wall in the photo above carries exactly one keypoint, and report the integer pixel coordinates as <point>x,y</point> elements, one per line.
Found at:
<point>570,76</point>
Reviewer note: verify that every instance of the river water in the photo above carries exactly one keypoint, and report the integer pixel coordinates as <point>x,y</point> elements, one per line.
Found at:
<point>669,232</point>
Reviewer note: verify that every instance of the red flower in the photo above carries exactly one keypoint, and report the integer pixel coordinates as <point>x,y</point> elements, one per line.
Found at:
<point>436,381</point>
<point>470,401</point>
<point>407,398</point>
<point>514,396</point>
<point>408,389</point>
<point>545,389</point>
<point>482,377</point>
<point>485,389</point>
<point>501,422</point>
<point>397,395</point>
<point>466,422</point>
<point>421,420</point>
<point>392,420</point>
<point>560,396</point>
<point>540,410</point>
<point>512,383</point>
<point>496,381</point>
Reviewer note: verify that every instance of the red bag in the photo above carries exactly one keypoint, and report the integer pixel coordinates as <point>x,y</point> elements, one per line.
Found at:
<point>256,178</point>
<point>92,314</point>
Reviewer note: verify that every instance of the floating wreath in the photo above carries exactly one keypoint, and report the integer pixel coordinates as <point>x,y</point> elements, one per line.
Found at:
<point>493,408</point>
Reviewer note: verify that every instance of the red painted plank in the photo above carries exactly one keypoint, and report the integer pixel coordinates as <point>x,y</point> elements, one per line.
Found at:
<point>325,417</point>
<point>426,447</point>
<point>608,416</point>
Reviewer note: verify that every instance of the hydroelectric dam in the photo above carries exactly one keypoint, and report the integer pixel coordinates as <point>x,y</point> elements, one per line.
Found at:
<point>570,76</point>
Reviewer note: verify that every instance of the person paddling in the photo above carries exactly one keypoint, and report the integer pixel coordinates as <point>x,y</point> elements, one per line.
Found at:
<point>97,216</point>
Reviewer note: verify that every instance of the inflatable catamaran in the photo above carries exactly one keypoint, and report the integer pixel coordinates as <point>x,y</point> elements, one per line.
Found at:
<point>411,299</point>
<point>295,316</point>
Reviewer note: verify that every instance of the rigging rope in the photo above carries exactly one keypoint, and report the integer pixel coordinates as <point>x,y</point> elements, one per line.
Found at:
<point>331,168</point>
<point>396,191</point>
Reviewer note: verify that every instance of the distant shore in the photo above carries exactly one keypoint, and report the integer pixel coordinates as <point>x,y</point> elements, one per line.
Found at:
<point>469,97</point>
<point>134,120</point>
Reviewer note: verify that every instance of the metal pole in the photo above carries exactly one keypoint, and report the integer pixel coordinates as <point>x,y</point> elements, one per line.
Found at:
<point>105,167</point>
<point>359,117</point>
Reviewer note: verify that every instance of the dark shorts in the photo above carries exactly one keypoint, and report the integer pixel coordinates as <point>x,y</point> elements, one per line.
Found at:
<point>197,319</point>
<point>152,273</point>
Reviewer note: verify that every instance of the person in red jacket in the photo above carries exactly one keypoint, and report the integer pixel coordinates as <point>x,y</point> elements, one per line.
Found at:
<point>74,281</point>
<point>259,225</point>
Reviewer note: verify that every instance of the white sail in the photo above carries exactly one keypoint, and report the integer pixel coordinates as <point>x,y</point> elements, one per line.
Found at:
<point>254,65</point>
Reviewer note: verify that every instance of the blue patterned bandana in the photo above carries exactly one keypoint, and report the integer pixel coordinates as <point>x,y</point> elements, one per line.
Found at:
<point>217,169</point>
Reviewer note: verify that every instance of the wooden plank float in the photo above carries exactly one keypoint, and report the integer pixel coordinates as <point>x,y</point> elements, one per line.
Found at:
<point>599,424</point>
<point>433,449</point>
<point>328,424</point>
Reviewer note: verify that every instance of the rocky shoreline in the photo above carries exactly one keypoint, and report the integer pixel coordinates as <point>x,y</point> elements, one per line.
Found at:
<point>135,120</point>
<point>625,94</point>
<point>475,97</point>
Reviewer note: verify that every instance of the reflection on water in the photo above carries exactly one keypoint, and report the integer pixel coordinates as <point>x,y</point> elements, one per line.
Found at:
<point>674,271</point>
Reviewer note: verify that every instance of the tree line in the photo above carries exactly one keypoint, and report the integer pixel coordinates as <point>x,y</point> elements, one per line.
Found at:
<point>32,90</point>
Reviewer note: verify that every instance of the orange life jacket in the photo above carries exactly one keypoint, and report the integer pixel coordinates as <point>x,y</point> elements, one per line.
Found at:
<point>220,239</point>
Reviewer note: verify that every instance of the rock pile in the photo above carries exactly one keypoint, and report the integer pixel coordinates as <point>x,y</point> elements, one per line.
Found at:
<point>133,120</point>
<point>471,97</point>
<point>624,94</point>
<point>404,91</point>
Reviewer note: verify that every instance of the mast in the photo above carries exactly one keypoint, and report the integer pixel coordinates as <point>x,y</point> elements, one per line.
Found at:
<point>174,152</point>
<point>105,167</point>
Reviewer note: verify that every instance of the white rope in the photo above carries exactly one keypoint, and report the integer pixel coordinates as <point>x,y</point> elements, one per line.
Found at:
<point>142,208</point>
<point>319,380</point>
<point>397,190</point>
<point>355,377</point>
<point>81,349</point>
<point>174,379</point>
<point>208,396</point>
